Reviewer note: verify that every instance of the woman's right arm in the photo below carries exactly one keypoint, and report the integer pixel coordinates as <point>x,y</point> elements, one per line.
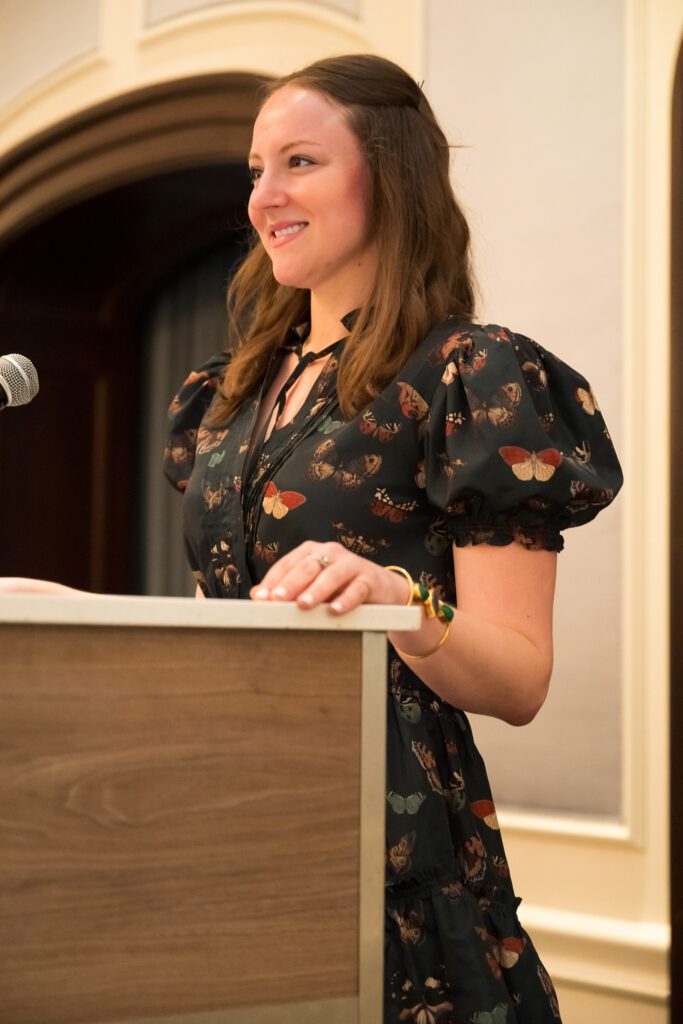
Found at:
<point>198,593</point>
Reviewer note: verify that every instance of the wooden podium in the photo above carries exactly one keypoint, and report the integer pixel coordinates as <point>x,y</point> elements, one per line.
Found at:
<point>192,811</point>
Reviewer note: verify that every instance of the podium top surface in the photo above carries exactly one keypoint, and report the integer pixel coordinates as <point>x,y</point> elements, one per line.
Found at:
<point>106,610</point>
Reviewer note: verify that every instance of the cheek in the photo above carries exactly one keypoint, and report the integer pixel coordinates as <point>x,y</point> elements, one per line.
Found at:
<point>353,220</point>
<point>357,205</point>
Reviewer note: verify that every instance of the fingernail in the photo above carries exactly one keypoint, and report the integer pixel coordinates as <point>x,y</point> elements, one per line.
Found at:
<point>279,592</point>
<point>306,599</point>
<point>261,592</point>
<point>336,606</point>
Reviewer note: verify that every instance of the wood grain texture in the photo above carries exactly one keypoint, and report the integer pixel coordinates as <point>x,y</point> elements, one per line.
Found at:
<point>179,814</point>
<point>342,1010</point>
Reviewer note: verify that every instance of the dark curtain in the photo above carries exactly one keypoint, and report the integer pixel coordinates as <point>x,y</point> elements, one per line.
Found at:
<point>186,323</point>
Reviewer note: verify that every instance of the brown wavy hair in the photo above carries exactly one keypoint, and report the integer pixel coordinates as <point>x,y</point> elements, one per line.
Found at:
<point>422,237</point>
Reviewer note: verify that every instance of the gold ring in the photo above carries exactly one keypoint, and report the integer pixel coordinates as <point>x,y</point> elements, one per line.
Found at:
<point>323,561</point>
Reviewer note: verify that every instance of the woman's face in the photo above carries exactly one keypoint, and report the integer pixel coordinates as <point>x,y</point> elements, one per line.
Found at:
<point>309,202</point>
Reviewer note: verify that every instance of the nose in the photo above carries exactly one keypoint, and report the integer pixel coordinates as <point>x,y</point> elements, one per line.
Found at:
<point>268,192</point>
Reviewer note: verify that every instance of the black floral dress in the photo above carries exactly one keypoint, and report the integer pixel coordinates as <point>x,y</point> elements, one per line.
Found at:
<point>483,437</point>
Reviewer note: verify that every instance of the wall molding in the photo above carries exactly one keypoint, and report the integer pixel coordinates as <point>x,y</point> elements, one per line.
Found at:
<point>605,954</point>
<point>547,823</point>
<point>185,123</point>
<point>261,38</point>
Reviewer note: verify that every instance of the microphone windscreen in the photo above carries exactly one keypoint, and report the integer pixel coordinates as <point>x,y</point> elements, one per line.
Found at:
<point>18,379</point>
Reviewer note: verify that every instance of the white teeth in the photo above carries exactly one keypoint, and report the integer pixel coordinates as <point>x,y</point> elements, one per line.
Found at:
<point>292,230</point>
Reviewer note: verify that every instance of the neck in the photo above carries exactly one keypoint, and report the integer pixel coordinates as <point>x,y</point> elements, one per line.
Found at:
<point>326,325</point>
<point>326,328</point>
<point>335,299</point>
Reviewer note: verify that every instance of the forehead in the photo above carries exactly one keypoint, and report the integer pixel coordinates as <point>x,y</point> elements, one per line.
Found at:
<point>294,113</point>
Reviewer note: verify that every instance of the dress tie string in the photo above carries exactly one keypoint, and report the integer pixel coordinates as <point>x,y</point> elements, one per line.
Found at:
<point>304,361</point>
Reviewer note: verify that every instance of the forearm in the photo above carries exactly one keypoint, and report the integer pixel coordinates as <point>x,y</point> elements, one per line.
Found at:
<point>28,585</point>
<point>482,667</point>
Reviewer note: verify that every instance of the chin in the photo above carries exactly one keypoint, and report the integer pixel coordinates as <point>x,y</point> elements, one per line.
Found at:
<point>290,278</point>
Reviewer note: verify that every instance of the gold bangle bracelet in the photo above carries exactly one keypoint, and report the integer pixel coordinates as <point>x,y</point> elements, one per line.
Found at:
<point>406,575</point>
<point>419,657</point>
<point>433,608</point>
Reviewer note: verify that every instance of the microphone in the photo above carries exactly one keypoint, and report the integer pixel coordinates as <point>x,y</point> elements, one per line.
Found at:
<point>18,380</point>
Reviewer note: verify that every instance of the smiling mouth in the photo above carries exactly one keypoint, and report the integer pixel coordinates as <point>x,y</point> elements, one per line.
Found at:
<point>293,229</point>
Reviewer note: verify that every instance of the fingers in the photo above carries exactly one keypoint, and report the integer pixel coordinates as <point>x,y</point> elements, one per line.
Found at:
<point>330,582</point>
<point>277,572</point>
<point>301,576</point>
<point>356,593</point>
<point>291,575</point>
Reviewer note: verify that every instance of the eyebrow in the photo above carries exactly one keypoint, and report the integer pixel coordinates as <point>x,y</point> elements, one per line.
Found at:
<point>290,145</point>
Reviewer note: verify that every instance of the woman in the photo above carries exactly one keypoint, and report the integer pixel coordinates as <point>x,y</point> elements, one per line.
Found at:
<point>363,419</point>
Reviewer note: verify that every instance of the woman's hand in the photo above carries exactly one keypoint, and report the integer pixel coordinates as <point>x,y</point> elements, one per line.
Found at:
<point>314,573</point>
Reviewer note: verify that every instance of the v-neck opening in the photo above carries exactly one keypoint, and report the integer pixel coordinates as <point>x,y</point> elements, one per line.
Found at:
<point>304,361</point>
<point>282,432</point>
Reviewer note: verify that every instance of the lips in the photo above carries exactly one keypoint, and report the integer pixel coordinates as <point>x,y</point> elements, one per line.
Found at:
<point>286,231</point>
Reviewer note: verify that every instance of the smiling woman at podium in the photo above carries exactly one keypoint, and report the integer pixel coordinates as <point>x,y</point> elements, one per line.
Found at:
<point>365,440</point>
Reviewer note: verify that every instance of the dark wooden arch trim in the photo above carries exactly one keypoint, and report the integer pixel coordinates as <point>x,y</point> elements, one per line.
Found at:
<point>677,544</point>
<point>94,211</point>
<point>184,123</point>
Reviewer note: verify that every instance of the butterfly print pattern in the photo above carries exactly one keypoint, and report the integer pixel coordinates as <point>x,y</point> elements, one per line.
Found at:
<point>535,374</point>
<point>587,400</point>
<point>358,543</point>
<point>326,465</point>
<point>430,1003</point>
<point>486,810</point>
<point>267,552</point>
<point>413,405</point>
<point>453,421</point>
<point>411,927</point>
<point>531,465</point>
<point>458,343</point>
<point>478,362</point>
<point>398,856</point>
<point>384,432</point>
<point>436,540</point>
<point>214,496</point>
<point>449,374</point>
<point>208,440</point>
<point>394,511</point>
<point>405,804</point>
<point>500,409</point>
<point>278,503</point>
<point>224,568</point>
<point>482,437</point>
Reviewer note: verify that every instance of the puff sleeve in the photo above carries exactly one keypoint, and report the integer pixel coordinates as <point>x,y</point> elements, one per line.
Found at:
<point>185,414</point>
<point>516,447</point>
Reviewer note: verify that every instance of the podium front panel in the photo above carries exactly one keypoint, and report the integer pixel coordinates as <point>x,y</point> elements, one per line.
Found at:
<point>181,817</point>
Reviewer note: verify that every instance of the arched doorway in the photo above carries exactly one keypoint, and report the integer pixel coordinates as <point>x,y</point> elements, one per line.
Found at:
<point>93,215</point>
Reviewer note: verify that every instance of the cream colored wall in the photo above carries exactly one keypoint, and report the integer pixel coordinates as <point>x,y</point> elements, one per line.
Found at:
<point>41,38</point>
<point>253,35</point>
<point>565,108</point>
<point>595,890</point>
<point>535,96</point>
<point>159,10</point>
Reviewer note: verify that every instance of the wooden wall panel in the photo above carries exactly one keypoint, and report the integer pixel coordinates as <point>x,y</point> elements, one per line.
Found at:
<point>179,816</point>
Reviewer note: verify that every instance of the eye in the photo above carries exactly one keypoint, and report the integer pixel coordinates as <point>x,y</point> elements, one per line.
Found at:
<point>300,161</point>
<point>254,174</point>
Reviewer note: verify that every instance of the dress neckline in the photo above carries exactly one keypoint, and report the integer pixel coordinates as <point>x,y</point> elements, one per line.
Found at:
<point>298,335</point>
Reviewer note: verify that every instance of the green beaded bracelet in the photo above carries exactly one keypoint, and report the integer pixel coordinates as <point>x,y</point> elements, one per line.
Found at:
<point>433,606</point>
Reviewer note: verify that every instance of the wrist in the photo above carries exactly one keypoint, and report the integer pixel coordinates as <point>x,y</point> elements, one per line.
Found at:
<point>434,608</point>
<point>401,591</point>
